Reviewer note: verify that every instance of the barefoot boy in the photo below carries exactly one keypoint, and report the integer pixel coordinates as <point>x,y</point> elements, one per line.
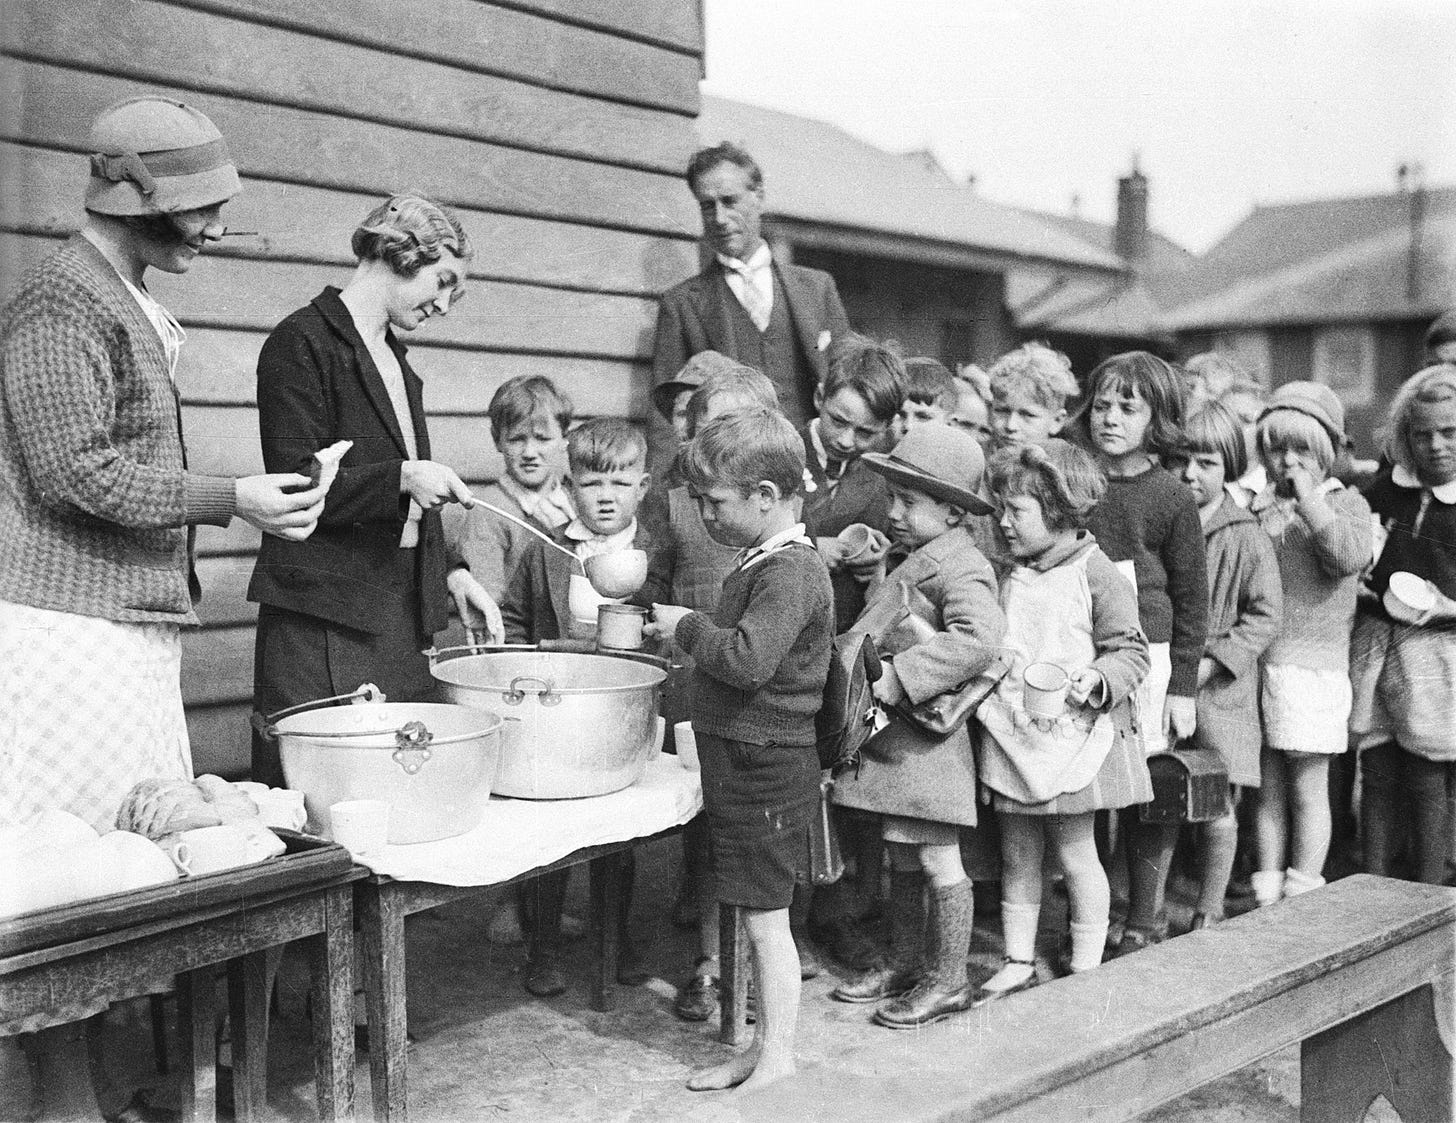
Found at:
<point>761,661</point>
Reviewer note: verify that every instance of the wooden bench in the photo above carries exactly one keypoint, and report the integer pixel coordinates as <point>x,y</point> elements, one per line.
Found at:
<point>1359,972</point>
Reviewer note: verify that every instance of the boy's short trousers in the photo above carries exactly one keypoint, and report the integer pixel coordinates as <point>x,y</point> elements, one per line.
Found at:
<point>760,801</point>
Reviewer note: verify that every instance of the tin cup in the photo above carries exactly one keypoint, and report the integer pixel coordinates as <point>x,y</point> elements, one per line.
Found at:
<point>1044,693</point>
<point>620,626</point>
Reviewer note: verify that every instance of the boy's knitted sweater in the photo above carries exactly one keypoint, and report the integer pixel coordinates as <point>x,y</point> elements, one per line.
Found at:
<point>1151,519</point>
<point>1320,561</point>
<point>762,658</point>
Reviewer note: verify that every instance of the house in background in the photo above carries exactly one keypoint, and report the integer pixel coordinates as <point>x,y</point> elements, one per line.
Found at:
<point>917,257</point>
<point>1089,318</point>
<point>1339,291</point>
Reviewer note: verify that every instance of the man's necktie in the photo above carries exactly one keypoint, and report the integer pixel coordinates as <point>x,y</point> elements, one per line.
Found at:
<point>752,298</point>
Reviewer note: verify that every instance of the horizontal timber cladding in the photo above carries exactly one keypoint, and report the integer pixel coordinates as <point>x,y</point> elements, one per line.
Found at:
<point>217,665</point>
<point>53,106</point>
<point>492,40</point>
<point>237,293</point>
<point>220,738</point>
<point>154,42</point>
<point>671,23</point>
<point>313,224</point>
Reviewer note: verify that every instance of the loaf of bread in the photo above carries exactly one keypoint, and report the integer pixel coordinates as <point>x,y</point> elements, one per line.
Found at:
<point>156,808</point>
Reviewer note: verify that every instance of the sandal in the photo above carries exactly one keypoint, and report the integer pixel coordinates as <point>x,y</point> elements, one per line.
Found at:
<point>987,993</point>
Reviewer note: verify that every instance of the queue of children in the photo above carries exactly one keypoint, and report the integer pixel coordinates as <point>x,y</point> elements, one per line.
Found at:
<point>1183,600</point>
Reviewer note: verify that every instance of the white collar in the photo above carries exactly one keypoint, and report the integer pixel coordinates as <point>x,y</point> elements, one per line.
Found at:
<point>1403,477</point>
<point>589,545</point>
<point>822,454</point>
<point>550,507</point>
<point>758,260</point>
<point>780,541</point>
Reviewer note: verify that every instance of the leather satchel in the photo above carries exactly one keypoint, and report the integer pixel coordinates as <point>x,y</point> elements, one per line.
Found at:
<point>951,709</point>
<point>948,711</point>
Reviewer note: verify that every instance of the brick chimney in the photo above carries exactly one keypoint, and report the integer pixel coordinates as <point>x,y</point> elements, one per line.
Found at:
<point>1130,236</point>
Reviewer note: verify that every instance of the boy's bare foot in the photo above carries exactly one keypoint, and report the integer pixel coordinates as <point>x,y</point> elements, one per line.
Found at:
<point>768,1071</point>
<point>731,1073</point>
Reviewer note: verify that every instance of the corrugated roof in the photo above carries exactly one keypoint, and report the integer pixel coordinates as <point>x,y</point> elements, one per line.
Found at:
<point>1126,307</point>
<point>1366,279</point>
<point>818,173</point>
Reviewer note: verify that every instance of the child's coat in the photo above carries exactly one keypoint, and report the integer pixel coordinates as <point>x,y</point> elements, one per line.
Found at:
<point>950,590</point>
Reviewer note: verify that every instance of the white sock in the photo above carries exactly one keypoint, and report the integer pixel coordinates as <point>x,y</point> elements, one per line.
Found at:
<point>1088,942</point>
<point>1296,882</point>
<point>1018,927</point>
<point>1268,886</point>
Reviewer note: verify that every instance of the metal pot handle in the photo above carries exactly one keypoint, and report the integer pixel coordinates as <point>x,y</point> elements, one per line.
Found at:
<point>513,695</point>
<point>268,726</point>
<point>412,746</point>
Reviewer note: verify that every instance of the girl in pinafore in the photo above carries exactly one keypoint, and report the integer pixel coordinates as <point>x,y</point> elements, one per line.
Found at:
<point>1245,607</point>
<point>937,620</point>
<point>1322,538</point>
<point>1403,655</point>
<point>1066,604</point>
<point>1148,522</point>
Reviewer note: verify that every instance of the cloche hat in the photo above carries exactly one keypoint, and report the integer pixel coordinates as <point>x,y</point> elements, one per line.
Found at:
<point>1313,399</point>
<point>943,461</point>
<point>153,155</point>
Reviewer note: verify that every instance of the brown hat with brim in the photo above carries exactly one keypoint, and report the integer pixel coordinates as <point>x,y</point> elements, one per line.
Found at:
<point>942,461</point>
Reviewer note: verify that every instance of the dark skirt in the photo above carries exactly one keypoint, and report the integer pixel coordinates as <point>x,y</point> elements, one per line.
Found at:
<point>298,658</point>
<point>760,801</point>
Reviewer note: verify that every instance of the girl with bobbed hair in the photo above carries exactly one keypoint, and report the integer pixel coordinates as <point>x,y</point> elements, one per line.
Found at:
<point>362,598</point>
<point>1403,657</point>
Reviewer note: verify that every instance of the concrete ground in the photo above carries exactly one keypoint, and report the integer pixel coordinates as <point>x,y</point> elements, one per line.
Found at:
<point>486,1050</point>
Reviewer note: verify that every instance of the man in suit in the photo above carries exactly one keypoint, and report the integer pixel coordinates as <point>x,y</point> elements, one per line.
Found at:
<point>776,317</point>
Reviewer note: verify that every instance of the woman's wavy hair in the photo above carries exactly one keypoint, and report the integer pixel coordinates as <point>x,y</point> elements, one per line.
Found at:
<point>1153,380</point>
<point>409,231</point>
<point>1433,384</point>
<point>1063,478</point>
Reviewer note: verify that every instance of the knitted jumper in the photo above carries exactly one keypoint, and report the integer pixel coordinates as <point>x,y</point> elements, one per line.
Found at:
<point>1151,519</point>
<point>764,655</point>
<point>1320,561</point>
<point>95,497</point>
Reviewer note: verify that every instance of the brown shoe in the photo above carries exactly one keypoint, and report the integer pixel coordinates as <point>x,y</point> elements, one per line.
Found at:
<point>876,984</point>
<point>924,1004</point>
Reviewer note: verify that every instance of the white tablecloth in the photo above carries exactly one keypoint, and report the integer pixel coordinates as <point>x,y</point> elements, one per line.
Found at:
<point>518,835</point>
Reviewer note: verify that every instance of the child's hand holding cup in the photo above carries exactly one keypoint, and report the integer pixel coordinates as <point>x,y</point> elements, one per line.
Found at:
<point>861,549</point>
<point>665,619</point>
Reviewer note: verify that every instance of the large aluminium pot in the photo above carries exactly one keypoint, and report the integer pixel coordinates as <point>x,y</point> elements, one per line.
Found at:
<point>575,725</point>
<point>433,763</point>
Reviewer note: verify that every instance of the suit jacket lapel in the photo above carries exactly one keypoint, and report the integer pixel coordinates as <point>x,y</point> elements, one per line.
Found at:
<point>799,297</point>
<point>337,314</point>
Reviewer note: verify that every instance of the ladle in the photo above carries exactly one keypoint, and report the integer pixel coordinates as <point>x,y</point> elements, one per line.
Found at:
<point>546,538</point>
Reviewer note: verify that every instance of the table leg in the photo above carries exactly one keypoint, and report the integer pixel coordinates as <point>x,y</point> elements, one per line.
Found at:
<point>247,977</point>
<point>197,1044</point>
<point>606,894</point>
<point>381,932</point>
<point>331,975</point>
<point>733,953</point>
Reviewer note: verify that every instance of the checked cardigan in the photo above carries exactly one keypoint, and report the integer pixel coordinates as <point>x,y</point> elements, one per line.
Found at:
<point>95,498</point>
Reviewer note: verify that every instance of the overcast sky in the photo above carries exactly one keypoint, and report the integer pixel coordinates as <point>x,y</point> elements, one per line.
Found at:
<point>1227,103</point>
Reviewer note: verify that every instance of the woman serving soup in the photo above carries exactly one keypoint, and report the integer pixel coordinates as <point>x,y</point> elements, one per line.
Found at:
<point>360,600</point>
